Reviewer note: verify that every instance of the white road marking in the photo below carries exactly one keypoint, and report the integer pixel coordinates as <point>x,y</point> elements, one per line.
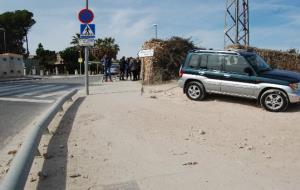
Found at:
<point>8,87</point>
<point>43,90</point>
<point>24,89</point>
<point>26,100</point>
<point>15,87</point>
<point>51,94</point>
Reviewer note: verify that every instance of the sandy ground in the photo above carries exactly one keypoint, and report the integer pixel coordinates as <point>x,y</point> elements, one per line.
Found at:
<point>116,139</point>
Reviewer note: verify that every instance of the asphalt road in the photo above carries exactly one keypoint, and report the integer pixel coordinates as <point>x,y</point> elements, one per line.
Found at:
<point>23,101</point>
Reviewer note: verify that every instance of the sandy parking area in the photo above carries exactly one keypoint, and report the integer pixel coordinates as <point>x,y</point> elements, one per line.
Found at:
<point>117,139</point>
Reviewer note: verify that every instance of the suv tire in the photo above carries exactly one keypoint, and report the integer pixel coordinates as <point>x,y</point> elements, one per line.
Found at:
<point>195,91</point>
<point>274,100</point>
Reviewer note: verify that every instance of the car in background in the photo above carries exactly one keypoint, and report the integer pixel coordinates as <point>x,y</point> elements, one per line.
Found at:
<point>238,73</point>
<point>115,69</point>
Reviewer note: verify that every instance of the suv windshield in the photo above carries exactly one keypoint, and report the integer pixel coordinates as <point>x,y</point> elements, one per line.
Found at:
<point>257,62</point>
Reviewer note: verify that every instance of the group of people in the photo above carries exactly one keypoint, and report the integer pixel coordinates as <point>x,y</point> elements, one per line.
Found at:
<point>129,68</point>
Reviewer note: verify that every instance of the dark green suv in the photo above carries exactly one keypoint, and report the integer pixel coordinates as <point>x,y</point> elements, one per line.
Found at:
<point>238,73</point>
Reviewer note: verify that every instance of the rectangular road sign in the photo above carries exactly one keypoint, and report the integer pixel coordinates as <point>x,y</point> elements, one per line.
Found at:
<point>87,31</point>
<point>87,42</point>
<point>146,53</point>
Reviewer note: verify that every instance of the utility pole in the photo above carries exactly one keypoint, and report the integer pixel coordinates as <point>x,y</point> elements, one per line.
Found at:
<point>236,22</point>
<point>155,29</point>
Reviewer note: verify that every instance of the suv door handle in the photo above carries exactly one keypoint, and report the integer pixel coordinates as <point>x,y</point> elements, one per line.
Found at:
<point>227,75</point>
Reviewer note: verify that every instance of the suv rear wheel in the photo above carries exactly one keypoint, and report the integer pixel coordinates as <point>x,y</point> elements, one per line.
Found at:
<point>195,91</point>
<point>274,100</point>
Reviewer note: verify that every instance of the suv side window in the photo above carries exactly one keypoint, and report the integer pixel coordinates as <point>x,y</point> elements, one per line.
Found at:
<point>194,62</point>
<point>235,64</point>
<point>214,62</point>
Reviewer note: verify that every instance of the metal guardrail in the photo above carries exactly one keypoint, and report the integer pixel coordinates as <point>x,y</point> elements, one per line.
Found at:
<point>18,173</point>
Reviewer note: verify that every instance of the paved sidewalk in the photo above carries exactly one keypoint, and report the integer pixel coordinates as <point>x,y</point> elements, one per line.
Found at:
<point>116,139</point>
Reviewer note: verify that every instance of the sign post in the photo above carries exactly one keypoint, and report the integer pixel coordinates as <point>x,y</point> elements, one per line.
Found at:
<point>142,54</point>
<point>87,35</point>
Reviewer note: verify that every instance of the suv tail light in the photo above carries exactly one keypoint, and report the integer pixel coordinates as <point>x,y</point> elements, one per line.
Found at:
<point>180,72</point>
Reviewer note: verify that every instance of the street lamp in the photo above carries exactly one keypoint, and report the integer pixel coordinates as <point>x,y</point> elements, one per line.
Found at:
<point>155,27</point>
<point>3,30</point>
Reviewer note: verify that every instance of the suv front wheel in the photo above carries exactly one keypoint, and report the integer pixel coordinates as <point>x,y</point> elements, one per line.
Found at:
<point>195,91</point>
<point>274,100</point>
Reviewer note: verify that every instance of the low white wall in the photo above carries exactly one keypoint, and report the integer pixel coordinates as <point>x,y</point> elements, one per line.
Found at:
<point>11,65</point>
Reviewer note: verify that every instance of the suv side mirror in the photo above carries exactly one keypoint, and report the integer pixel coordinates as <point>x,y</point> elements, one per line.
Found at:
<point>249,71</point>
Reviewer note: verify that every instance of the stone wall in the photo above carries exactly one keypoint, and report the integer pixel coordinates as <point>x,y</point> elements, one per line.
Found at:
<point>151,71</point>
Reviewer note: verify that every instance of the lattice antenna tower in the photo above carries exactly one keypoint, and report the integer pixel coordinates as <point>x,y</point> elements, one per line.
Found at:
<point>236,22</point>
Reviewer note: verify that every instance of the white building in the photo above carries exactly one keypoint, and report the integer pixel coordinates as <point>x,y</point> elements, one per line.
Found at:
<point>11,65</point>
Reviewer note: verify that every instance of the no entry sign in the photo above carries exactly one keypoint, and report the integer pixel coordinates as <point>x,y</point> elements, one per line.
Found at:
<point>86,16</point>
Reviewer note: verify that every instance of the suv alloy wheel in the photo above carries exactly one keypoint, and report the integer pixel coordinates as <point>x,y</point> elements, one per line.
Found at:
<point>195,91</point>
<point>274,100</point>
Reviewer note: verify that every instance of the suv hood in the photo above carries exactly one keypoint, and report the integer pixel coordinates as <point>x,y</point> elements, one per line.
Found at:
<point>289,76</point>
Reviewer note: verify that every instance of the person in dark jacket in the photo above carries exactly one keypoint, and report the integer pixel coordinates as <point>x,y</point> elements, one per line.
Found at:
<point>122,68</point>
<point>134,68</point>
<point>107,65</point>
<point>128,69</point>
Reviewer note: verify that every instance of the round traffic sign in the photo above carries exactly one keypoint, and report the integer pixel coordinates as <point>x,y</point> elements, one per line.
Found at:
<point>86,16</point>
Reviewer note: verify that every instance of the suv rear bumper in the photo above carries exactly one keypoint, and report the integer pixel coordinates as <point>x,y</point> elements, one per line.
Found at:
<point>181,82</point>
<point>294,97</point>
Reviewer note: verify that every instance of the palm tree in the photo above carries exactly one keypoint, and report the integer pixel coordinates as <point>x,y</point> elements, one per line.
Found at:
<point>106,46</point>
<point>75,39</point>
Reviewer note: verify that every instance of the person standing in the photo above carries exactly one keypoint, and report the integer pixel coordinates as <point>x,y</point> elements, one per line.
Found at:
<point>122,68</point>
<point>128,69</point>
<point>107,66</point>
<point>133,67</point>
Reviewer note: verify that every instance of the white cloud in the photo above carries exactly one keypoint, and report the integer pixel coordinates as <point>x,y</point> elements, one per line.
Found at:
<point>208,38</point>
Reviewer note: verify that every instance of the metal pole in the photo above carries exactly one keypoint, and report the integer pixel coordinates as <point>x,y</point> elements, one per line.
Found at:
<point>86,60</point>
<point>155,27</point>
<point>86,51</point>
<point>248,20</point>
<point>237,14</point>
<point>4,41</point>
<point>225,25</point>
<point>142,75</point>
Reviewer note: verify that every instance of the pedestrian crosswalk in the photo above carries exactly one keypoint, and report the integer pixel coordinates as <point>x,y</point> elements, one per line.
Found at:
<point>32,92</point>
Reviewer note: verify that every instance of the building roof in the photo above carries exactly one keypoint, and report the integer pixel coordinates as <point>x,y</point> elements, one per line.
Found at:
<point>11,54</point>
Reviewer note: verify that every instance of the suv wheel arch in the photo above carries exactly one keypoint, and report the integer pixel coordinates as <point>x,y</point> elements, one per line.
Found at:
<point>270,88</point>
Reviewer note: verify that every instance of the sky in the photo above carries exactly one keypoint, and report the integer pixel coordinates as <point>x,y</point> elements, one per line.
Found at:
<point>274,24</point>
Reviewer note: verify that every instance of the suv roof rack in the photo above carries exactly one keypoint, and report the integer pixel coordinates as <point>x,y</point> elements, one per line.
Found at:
<point>241,50</point>
<point>214,51</point>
